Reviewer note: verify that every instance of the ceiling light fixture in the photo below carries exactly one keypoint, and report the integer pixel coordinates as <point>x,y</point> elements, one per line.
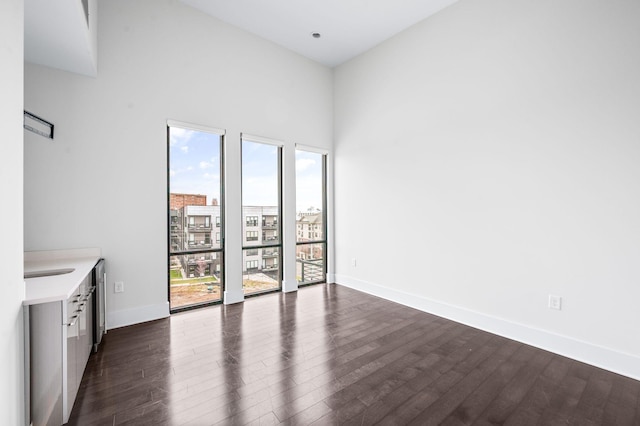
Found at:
<point>316,35</point>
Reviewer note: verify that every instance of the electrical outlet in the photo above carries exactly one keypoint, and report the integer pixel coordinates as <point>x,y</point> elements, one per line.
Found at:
<point>353,261</point>
<point>119,287</point>
<point>555,302</point>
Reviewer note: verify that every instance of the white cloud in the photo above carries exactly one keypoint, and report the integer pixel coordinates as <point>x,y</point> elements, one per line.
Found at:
<point>303,164</point>
<point>205,165</point>
<point>178,135</point>
<point>172,173</point>
<point>189,168</point>
<point>184,149</point>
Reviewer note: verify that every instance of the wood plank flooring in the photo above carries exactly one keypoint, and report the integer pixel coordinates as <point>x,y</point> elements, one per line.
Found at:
<point>330,355</point>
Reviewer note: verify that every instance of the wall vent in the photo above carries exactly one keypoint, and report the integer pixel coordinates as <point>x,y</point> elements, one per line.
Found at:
<point>37,125</point>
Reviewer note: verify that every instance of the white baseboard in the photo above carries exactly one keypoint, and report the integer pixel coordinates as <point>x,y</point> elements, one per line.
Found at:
<point>134,316</point>
<point>598,356</point>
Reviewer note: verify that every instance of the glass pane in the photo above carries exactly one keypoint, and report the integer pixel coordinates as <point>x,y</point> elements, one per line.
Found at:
<point>260,225</point>
<point>194,190</point>
<point>310,260</point>
<point>260,194</point>
<point>309,196</point>
<point>195,223</point>
<point>260,269</point>
<point>195,279</point>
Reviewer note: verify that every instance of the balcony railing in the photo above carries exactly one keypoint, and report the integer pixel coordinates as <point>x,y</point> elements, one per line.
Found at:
<point>199,227</point>
<point>311,270</point>
<point>196,261</point>
<point>266,254</point>
<point>267,238</point>
<point>200,244</point>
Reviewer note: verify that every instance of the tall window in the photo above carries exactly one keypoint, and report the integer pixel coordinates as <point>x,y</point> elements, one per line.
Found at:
<point>311,220</point>
<point>261,210</point>
<point>195,196</point>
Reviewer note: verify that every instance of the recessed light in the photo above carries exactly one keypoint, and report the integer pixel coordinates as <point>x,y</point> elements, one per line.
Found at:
<point>316,35</point>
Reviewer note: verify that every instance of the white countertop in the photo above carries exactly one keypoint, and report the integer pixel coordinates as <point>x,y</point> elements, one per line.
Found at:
<point>57,287</point>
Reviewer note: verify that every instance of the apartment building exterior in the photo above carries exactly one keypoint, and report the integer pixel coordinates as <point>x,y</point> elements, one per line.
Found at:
<point>260,227</point>
<point>310,253</point>
<point>309,225</point>
<point>178,200</point>
<point>196,229</point>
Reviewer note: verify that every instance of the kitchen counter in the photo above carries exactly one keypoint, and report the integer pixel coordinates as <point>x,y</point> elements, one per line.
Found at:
<point>57,287</point>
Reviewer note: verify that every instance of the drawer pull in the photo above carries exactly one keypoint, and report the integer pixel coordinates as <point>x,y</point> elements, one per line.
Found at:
<point>74,320</point>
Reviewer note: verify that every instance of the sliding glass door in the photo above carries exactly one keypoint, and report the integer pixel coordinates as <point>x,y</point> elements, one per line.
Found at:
<point>261,216</point>
<point>196,220</point>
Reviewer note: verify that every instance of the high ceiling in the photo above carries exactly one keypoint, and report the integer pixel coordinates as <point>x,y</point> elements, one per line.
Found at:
<point>347,28</point>
<point>56,32</point>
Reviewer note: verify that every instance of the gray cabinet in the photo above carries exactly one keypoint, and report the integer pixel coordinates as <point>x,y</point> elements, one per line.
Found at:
<point>46,363</point>
<point>60,342</point>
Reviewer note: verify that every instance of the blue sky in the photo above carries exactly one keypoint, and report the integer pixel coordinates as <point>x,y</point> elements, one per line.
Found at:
<point>195,169</point>
<point>194,163</point>
<point>259,174</point>
<point>308,180</point>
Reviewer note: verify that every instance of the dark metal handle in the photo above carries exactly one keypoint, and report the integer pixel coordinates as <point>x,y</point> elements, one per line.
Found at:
<point>74,320</point>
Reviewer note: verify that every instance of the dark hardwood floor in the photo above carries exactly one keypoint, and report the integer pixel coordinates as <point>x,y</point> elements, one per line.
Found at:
<point>331,355</point>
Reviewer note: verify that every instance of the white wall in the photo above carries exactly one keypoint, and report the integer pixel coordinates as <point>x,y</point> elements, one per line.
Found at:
<point>488,157</point>
<point>157,61</point>
<point>57,35</point>
<point>11,142</point>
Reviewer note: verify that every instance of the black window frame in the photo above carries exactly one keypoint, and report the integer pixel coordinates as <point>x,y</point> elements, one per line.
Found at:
<point>220,220</point>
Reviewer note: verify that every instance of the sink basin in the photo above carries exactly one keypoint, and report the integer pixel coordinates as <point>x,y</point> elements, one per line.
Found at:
<point>48,273</point>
